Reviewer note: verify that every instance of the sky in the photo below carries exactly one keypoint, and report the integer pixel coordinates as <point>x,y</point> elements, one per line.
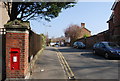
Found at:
<point>94,14</point>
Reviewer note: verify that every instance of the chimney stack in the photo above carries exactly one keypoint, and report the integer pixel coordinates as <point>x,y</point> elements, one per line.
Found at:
<point>82,25</point>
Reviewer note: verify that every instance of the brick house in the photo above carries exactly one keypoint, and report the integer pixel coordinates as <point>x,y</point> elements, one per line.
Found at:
<point>84,31</point>
<point>114,22</point>
<point>112,34</point>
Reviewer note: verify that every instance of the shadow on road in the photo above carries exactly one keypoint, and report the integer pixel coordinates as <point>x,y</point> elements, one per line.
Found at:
<point>69,49</point>
<point>94,56</point>
<point>83,52</point>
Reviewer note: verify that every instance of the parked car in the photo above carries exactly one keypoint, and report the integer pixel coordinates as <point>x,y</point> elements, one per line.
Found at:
<point>57,45</point>
<point>78,44</point>
<point>107,49</point>
<point>54,44</point>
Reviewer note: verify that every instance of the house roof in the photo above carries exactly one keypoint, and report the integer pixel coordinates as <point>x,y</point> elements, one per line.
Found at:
<point>86,29</point>
<point>114,5</point>
<point>111,17</point>
<point>103,32</point>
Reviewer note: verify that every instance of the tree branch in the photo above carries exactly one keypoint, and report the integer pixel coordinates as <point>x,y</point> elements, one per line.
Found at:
<point>7,6</point>
<point>30,17</point>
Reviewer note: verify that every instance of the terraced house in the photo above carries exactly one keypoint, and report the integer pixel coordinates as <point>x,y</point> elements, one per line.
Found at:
<point>114,22</point>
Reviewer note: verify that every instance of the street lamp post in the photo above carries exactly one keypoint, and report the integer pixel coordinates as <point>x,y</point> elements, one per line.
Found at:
<point>46,33</point>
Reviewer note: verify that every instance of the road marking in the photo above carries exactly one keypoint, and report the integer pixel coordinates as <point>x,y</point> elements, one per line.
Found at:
<point>65,65</point>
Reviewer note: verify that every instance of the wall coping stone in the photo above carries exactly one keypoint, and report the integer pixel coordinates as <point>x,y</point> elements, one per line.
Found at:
<point>17,24</point>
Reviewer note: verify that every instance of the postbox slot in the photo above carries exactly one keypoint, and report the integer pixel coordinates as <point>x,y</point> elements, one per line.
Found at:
<point>14,51</point>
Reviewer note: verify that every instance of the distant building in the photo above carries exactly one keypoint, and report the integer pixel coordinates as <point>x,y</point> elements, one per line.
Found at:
<point>3,15</point>
<point>112,34</point>
<point>114,22</point>
<point>84,31</point>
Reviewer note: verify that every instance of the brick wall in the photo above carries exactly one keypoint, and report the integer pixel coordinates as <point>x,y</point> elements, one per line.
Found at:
<point>17,40</point>
<point>90,41</point>
<point>35,44</point>
<point>114,23</point>
<point>116,19</point>
<point>117,23</point>
<point>117,14</point>
<point>20,37</point>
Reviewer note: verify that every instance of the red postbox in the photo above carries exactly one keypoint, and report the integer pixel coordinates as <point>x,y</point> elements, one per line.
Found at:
<point>15,58</point>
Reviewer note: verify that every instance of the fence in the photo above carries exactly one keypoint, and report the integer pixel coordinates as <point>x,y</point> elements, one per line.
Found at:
<point>2,54</point>
<point>35,44</point>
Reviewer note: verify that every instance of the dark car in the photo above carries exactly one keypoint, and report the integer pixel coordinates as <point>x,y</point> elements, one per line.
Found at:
<point>107,49</point>
<point>78,45</point>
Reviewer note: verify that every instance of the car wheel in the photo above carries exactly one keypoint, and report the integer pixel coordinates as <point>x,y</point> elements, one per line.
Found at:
<point>73,46</point>
<point>94,52</point>
<point>106,55</point>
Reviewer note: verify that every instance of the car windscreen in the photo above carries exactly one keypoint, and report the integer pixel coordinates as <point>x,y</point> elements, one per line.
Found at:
<point>80,43</point>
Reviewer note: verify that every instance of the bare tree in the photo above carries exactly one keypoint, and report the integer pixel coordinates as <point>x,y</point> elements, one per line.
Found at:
<point>73,32</point>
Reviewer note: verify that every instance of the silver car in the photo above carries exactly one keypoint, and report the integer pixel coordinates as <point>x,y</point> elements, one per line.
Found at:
<point>78,44</point>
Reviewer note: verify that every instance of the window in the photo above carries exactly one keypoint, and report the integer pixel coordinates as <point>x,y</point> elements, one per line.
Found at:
<point>101,45</point>
<point>96,45</point>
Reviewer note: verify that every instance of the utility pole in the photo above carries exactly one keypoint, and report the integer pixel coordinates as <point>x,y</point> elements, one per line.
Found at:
<point>46,33</point>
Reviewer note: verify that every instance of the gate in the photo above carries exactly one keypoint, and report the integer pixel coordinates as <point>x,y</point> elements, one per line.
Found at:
<point>2,54</point>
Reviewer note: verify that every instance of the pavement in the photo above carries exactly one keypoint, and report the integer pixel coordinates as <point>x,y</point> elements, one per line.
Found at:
<point>47,66</point>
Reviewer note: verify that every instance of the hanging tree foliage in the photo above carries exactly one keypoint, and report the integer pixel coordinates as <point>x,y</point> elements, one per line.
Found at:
<point>32,10</point>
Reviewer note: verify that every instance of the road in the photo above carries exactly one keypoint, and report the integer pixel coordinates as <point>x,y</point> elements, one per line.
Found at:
<point>86,65</point>
<point>81,63</point>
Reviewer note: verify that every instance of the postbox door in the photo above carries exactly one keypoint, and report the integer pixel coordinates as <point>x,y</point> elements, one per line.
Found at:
<point>15,58</point>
